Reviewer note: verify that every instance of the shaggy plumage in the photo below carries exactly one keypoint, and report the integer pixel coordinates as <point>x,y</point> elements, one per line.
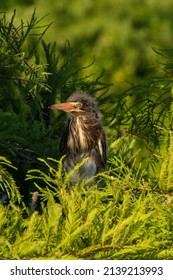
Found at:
<point>83,138</point>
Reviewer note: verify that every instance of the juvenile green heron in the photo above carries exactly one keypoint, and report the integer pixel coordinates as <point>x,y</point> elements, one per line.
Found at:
<point>83,138</point>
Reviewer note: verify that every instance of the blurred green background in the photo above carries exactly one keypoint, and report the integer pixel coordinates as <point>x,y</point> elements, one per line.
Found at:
<point>118,34</point>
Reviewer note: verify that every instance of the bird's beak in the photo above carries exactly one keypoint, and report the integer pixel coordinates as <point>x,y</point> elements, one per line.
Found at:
<point>67,106</point>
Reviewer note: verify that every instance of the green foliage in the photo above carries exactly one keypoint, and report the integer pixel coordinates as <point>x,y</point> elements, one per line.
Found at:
<point>166,175</point>
<point>20,80</point>
<point>7,183</point>
<point>123,220</point>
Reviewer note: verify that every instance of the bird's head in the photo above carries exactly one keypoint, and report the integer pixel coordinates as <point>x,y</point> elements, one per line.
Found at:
<point>77,103</point>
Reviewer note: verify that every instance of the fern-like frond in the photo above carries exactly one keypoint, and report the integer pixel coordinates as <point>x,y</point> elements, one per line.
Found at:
<point>7,182</point>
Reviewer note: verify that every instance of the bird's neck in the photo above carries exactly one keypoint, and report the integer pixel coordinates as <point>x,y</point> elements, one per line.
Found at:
<point>81,120</point>
<point>81,134</point>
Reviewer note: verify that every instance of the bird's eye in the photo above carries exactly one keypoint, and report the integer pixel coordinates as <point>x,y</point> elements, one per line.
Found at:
<point>78,105</point>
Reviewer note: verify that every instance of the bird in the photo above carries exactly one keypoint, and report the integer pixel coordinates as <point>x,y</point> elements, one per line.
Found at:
<point>83,138</point>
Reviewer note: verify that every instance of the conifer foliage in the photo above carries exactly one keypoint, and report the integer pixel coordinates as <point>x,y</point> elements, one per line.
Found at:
<point>127,216</point>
